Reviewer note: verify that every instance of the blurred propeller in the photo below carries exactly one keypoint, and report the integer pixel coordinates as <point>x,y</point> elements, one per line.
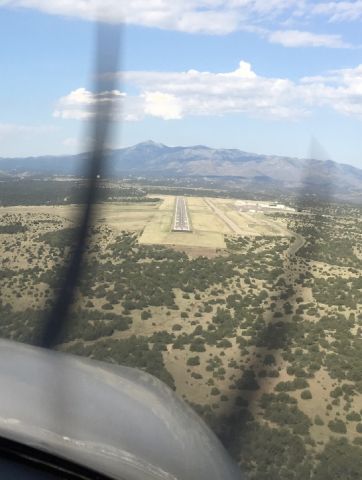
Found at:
<point>106,62</point>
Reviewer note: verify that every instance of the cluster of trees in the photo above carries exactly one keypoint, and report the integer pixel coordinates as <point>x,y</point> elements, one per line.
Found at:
<point>134,199</point>
<point>13,228</point>
<point>331,236</point>
<point>268,452</point>
<point>91,325</point>
<point>23,326</point>
<point>60,239</point>
<point>271,453</point>
<point>283,410</point>
<point>52,192</point>
<point>339,459</point>
<point>138,284</point>
<point>40,192</point>
<point>338,291</point>
<point>134,351</point>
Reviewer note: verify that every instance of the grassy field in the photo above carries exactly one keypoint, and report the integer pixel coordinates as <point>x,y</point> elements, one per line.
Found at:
<point>207,231</point>
<point>211,220</point>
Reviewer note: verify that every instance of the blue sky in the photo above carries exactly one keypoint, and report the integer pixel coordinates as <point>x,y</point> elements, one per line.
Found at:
<point>260,76</point>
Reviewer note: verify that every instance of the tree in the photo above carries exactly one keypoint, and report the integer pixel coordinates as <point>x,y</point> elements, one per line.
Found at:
<point>215,391</point>
<point>353,417</point>
<point>337,426</point>
<point>306,395</point>
<point>193,361</point>
<point>269,359</point>
<point>107,306</point>
<point>145,315</point>
<point>318,421</point>
<point>198,345</point>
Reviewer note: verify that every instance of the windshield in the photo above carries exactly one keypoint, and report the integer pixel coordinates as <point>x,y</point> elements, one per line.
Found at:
<point>222,253</point>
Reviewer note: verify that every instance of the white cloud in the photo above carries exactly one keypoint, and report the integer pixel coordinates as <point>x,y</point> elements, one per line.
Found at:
<point>162,105</point>
<point>81,104</point>
<point>297,38</point>
<point>175,95</point>
<point>211,16</point>
<point>185,15</point>
<point>340,90</point>
<point>206,93</point>
<point>339,11</point>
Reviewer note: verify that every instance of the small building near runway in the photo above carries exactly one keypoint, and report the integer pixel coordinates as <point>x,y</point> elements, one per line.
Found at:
<point>252,206</point>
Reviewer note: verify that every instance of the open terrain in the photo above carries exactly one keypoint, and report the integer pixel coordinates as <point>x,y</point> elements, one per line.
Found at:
<point>211,220</point>
<point>254,318</point>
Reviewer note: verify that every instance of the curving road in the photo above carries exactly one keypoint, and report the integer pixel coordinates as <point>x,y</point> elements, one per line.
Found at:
<point>298,243</point>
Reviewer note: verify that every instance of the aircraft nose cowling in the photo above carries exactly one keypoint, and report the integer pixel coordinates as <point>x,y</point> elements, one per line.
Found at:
<point>116,420</point>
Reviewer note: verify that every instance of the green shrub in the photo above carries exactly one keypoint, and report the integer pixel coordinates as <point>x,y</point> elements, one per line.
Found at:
<point>145,315</point>
<point>241,402</point>
<point>198,345</point>
<point>306,395</point>
<point>193,361</point>
<point>224,343</point>
<point>215,391</point>
<point>337,426</point>
<point>107,306</point>
<point>318,421</point>
<point>269,360</point>
<point>289,386</point>
<point>353,417</point>
<point>337,392</point>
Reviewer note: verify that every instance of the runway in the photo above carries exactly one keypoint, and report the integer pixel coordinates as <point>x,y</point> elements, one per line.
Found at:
<point>181,221</point>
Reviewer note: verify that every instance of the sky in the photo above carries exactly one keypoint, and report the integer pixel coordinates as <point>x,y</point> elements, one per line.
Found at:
<point>261,76</point>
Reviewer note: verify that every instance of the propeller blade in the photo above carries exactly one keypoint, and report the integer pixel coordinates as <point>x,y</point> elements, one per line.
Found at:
<point>105,83</point>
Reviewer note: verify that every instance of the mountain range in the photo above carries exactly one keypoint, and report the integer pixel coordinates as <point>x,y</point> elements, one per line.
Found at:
<point>150,159</point>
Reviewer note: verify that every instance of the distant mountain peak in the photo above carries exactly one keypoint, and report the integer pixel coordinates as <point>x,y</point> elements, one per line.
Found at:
<point>150,143</point>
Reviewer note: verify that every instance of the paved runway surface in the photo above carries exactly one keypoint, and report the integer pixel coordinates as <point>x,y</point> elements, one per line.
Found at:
<point>181,219</point>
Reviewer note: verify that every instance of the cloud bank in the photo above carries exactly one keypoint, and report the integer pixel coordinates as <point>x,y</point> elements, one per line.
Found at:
<point>218,17</point>
<point>177,95</point>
